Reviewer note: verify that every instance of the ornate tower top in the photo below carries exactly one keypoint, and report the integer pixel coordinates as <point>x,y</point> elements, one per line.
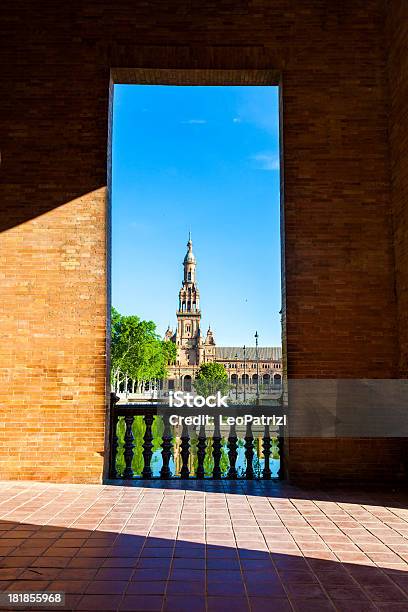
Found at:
<point>169,333</point>
<point>189,262</point>
<point>210,337</point>
<point>188,336</point>
<point>189,295</point>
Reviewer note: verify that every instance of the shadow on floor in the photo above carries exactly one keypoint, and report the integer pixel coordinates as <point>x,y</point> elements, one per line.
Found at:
<point>109,571</point>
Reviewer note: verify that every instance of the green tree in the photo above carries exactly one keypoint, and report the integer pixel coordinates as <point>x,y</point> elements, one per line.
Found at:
<point>211,377</point>
<point>137,352</point>
<point>169,349</point>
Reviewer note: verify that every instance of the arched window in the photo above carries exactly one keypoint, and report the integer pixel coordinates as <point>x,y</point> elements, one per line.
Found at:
<point>245,379</point>
<point>187,383</point>
<point>254,379</point>
<point>277,380</point>
<point>189,276</point>
<point>171,384</point>
<point>234,379</point>
<point>266,379</point>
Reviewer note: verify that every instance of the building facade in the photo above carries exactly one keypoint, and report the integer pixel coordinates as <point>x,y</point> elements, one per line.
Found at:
<point>249,369</point>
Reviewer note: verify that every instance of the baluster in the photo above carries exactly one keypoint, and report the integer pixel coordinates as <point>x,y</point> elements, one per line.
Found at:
<point>166,448</point>
<point>266,472</point>
<point>217,448</point>
<point>113,451</point>
<point>249,452</point>
<point>129,446</point>
<point>281,446</point>
<point>233,453</point>
<point>185,452</point>
<point>201,452</point>
<point>147,446</point>
<point>114,446</point>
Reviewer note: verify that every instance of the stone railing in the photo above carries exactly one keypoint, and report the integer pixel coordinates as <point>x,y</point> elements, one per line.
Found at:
<point>144,444</point>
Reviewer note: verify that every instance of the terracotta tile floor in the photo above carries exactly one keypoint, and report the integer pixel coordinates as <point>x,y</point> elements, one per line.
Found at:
<point>213,546</point>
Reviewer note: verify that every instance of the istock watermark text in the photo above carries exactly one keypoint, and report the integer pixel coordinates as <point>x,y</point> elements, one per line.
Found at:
<point>178,399</point>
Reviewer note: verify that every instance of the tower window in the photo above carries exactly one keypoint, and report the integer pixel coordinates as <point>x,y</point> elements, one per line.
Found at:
<point>189,276</point>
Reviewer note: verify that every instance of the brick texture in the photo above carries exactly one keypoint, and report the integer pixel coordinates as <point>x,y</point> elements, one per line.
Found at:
<point>341,313</point>
<point>398,130</point>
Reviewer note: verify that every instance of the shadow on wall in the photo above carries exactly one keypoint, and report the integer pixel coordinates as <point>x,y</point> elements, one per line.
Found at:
<point>20,206</point>
<point>55,128</point>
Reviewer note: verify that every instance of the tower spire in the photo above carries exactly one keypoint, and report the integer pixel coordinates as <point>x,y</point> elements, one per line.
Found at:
<point>188,314</point>
<point>189,263</point>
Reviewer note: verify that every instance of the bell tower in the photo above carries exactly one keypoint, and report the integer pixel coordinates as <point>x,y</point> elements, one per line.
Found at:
<point>188,313</point>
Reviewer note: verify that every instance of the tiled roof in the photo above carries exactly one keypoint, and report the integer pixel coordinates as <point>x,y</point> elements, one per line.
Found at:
<point>264,352</point>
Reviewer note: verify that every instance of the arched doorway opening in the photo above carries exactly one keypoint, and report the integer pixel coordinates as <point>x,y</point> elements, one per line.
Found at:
<point>187,383</point>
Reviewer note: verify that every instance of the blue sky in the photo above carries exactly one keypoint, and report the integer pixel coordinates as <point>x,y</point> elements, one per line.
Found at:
<point>205,159</point>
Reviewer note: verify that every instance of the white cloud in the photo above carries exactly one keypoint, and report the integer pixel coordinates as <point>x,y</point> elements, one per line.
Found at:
<point>195,121</point>
<point>260,108</point>
<point>266,161</point>
<point>237,120</point>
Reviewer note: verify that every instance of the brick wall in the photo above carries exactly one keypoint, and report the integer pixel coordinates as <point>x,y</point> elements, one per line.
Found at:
<point>52,250</point>
<point>398,130</point>
<point>53,360</point>
<point>340,304</point>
